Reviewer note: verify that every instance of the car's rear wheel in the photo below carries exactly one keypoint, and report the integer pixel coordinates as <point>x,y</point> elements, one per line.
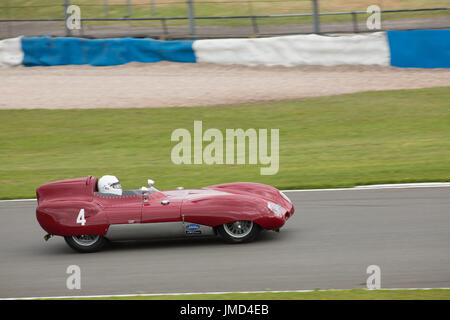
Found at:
<point>239,231</point>
<point>86,243</point>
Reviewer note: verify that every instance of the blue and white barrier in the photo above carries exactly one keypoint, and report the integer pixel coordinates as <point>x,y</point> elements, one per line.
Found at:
<point>417,48</point>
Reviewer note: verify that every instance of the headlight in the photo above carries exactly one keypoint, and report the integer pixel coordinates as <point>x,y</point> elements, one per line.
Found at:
<point>285,196</point>
<point>275,208</point>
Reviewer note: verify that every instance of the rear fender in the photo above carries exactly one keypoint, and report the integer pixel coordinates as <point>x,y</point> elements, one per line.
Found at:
<point>74,218</point>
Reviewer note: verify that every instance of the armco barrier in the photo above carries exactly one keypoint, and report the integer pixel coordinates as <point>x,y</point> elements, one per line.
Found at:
<point>418,48</point>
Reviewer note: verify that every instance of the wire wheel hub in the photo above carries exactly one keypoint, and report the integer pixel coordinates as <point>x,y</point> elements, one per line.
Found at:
<point>238,229</point>
<point>85,240</point>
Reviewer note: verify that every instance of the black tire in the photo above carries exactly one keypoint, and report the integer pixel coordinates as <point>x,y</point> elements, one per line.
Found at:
<point>95,243</point>
<point>225,232</point>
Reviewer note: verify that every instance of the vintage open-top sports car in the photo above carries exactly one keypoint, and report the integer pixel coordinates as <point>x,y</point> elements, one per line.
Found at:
<point>88,213</point>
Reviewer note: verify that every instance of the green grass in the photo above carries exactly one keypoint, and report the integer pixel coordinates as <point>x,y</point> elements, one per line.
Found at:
<point>355,294</point>
<point>340,141</point>
<point>26,9</point>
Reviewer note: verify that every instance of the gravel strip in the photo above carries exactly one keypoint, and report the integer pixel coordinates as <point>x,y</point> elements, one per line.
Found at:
<point>168,84</point>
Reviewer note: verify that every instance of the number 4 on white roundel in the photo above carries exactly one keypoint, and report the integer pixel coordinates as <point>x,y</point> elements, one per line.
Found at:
<point>80,218</point>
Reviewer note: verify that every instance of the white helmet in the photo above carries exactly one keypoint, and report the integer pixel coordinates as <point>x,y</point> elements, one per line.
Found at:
<point>109,184</point>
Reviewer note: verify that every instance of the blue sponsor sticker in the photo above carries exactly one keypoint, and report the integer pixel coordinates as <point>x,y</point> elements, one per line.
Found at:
<point>192,227</point>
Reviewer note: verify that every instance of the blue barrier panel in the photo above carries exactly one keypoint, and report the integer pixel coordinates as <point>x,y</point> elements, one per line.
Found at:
<point>47,51</point>
<point>420,48</point>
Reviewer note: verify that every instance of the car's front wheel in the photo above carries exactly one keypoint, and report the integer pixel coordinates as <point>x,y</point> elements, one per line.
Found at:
<point>239,231</point>
<point>86,243</point>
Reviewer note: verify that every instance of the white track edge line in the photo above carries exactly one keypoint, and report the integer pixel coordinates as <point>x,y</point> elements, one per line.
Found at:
<point>17,200</point>
<point>211,293</point>
<point>365,187</point>
<point>380,186</point>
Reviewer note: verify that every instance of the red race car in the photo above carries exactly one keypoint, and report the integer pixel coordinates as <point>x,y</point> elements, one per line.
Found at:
<point>88,212</point>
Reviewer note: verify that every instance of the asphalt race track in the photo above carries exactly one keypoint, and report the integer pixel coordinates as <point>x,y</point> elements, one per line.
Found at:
<point>329,242</point>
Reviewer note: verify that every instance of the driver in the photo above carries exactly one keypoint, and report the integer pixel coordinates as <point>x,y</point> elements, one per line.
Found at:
<point>110,185</point>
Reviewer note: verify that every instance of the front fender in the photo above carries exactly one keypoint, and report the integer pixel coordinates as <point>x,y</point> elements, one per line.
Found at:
<point>218,210</point>
<point>263,191</point>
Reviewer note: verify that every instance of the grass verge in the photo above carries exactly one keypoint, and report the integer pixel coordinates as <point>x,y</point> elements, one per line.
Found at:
<point>340,141</point>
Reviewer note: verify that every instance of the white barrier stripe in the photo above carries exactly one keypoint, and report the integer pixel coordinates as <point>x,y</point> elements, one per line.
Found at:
<point>11,53</point>
<point>368,187</point>
<point>297,50</point>
<point>210,293</point>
